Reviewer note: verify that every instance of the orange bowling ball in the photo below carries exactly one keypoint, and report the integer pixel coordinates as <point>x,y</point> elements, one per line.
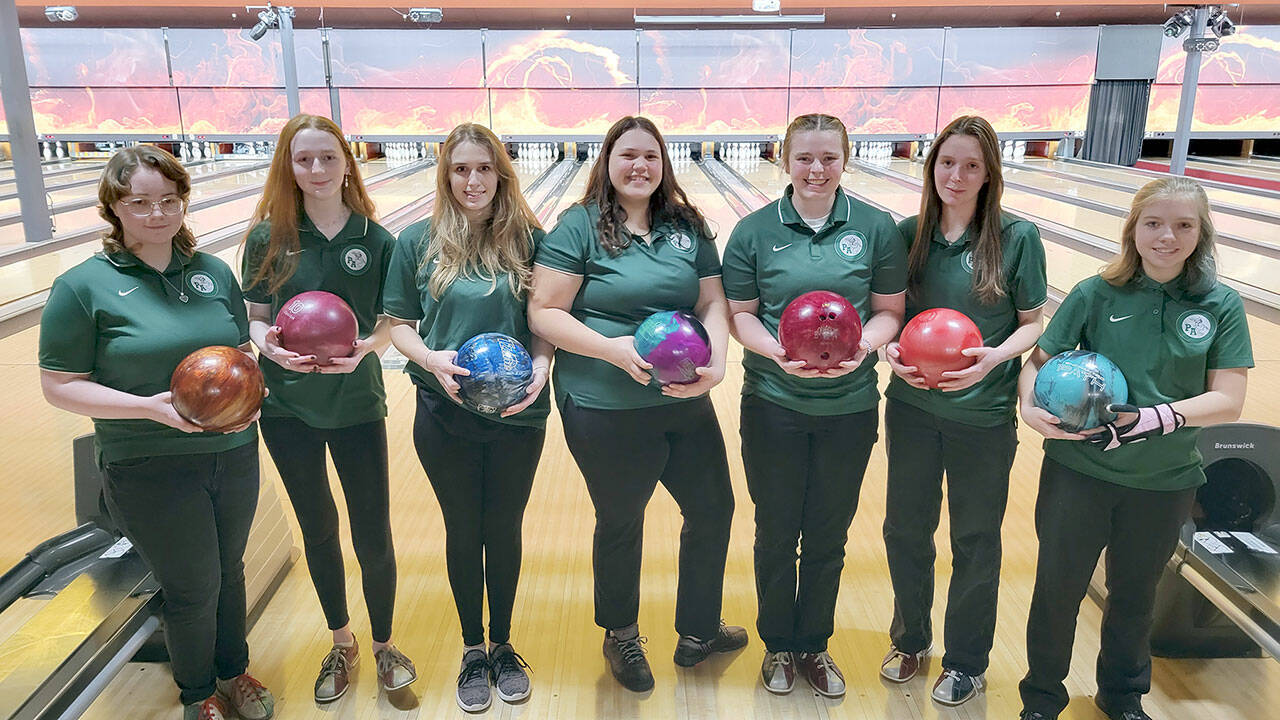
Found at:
<point>217,388</point>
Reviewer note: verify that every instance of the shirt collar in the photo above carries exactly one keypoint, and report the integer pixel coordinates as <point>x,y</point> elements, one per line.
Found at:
<point>357,226</point>
<point>1173,288</point>
<point>127,259</point>
<point>788,215</point>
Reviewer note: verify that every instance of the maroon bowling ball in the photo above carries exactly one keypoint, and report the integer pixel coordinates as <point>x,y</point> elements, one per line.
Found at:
<point>217,388</point>
<point>317,323</point>
<point>821,328</point>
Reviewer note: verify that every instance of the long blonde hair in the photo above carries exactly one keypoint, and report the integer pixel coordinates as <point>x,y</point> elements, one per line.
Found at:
<point>501,244</point>
<point>988,250</point>
<point>116,182</point>
<point>282,198</point>
<point>1199,272</point>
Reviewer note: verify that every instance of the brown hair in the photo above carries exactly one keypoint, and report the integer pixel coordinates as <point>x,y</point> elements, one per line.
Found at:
<point>814,122</point>
<point>667,204</point>
<point>1199,272</point>
<point>988,250</point>
<point>117,178</point>
<point>282,200</point>
<point>501,244</point>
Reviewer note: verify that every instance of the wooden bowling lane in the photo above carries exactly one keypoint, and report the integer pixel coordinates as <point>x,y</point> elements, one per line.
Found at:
<point>50,169</point>
<point>1265,172</point>
<point>93,171</point>
<point>1135,179</point>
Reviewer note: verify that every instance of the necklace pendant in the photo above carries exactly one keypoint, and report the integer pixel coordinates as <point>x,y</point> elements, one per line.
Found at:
<point>182,297</point>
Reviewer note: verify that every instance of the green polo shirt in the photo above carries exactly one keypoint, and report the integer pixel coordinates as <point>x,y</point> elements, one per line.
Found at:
<point>948,282</point>
<point>352,266</point>
<point>128,326</point>
<point>1165,342</point>
<point>774,257</point>
<point>618,292</point>
<point>468,307</point>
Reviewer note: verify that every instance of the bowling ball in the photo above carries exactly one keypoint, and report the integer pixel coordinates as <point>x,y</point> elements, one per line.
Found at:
<point>500,372</point>
<point>317,323</point>
<point>1076,386</point>
<point>217,388</point>
<point>675,344</point>
<point>932,342</point>
<point>821,328</point>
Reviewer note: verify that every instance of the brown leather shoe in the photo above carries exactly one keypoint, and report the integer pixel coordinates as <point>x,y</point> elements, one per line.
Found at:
<point>822,673</point>
<point>335,672</point>
<point>900,666</point>
<point>394,669</point>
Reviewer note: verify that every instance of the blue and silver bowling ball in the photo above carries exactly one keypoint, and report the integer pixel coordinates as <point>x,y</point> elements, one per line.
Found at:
<point>501,370</point>
<point>1077,386</point>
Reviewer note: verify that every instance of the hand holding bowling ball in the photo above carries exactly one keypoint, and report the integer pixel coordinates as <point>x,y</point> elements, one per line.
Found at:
<point>675,345</point>
<point>1077,386</point>
<point>318,324</point>
<point>499,371</point>
<point>217,388</point>
<point>822,329</point>
<point>934,341</point>
<point>441,364</point>
<point>909,373</point>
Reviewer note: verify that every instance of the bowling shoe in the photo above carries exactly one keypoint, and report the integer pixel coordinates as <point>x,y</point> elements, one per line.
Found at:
<point>778,672</point>
<point>627,661</point>
<point>954,687</point>
<point>473,681</point>
<point>335,672</point>
<point>1133,711</point>
<point>690,650</point>
<point>822,673</point>
<point>1033,715</point>
<point>211,708</point>
<point>899,666</point>
<point>507,670</point>
<point>251,700</point>
<point>394,669</point>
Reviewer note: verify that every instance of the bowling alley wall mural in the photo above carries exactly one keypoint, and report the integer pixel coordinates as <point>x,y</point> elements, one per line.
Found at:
<point>1239,84</point>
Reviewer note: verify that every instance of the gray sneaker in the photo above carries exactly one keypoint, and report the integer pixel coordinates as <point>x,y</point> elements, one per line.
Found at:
<point>251,700</point>
<point>508,671</point>
<point>473,681</point>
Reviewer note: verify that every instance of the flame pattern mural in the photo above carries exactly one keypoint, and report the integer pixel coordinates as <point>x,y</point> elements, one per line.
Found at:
<point>866,58</point>
<point>716,111</point>
<point>81,57</point>
<point>1250,57</point>
<point>410,112</point>
<point>229,58</point>
<point>550,111</point>
<point>1218,107</point>
<point>873,111</point>
<point>101,111</point>
<point>407,58</point>
<point>1050,108</point>
<point>1020,56</point>
<point>714,58</point>
<point>244,111</point>
<point>560,59</point>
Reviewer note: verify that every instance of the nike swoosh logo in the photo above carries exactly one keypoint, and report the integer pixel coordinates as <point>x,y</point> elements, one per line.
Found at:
<point>122,293</point>
<point>776,248</point>
<point>291,253</point>
<point>1118,319</point>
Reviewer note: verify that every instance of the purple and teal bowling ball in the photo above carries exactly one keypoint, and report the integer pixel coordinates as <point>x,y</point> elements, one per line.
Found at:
<point>501,370</point>
<point>675,344</point>
<point>1077,386</point>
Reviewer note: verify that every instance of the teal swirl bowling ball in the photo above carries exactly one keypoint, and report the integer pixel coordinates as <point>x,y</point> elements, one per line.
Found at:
<point>675,344</point>
<point>1076,386</point>
<point>500,368</point>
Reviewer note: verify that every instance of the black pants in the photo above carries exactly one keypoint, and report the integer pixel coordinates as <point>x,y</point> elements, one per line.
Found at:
<point>188,516</point>
<point>359,454</point>
<point>624,454</point>
<point>1076,516</point>
<point>977,461</point>
<point>482,472</point>
<point>804,473</point>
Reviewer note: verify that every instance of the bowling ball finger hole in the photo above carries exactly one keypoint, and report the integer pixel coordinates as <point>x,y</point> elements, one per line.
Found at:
<point>825,356</point>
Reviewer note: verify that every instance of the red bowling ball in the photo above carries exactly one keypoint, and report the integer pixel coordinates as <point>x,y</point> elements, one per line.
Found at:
<point>933,342</point>
<point>821,328</point>
<point>317,323</point>
<point>217,388</point>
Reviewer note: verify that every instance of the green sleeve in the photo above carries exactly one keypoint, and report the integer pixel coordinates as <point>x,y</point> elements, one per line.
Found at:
<point>907,229</point>
<point>567,247</point>
<point>235,298</point>
<point>1029,287</point>
<point>1231,346</point>
<point>388,246</point>
<point>707,261</point>
<point>889,273</point>
<point>740,278</point>
<point>255,246</point>
<point>402,297</point>
<point>1066,327</point>
<point>68,333</point>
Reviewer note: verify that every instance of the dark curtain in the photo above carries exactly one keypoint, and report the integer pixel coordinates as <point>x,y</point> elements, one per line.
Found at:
<point>1117,117</point>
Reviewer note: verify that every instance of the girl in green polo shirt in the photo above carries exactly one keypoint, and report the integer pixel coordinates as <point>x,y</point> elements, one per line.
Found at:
<point>1181,339</point>
<point>314,230</point>
<point>634,245</point>
<point>807,434</point>
<point>464,272</point>
<point>967,255</point>
<point>113,330</point>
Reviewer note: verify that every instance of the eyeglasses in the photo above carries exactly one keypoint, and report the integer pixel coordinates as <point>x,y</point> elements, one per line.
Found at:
<point>141,207</point>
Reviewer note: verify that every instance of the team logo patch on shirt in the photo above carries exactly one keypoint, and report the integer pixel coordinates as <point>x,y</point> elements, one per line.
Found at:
<point>966,261</point>
<point>681,242</point>
<point>851,245</point>
<point>1197,326</point>
<point>202,283</point>
<point>355,260</point>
